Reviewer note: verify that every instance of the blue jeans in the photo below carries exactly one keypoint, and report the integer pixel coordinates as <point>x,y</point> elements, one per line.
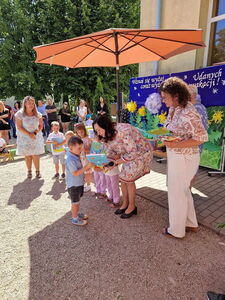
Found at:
<point>13,127</point>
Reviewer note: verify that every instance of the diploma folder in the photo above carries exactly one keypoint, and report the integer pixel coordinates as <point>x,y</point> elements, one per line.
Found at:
<point>98,159</point>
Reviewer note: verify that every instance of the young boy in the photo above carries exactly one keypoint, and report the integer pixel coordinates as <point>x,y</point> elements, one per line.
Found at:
<point>75,178</point>
<point>57,140</point>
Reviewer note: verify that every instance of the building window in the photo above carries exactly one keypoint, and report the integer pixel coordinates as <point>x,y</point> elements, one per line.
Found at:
<point>217,33</point>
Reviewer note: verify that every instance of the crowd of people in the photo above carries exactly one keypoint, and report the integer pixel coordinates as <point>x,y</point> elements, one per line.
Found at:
<point>129,153</point>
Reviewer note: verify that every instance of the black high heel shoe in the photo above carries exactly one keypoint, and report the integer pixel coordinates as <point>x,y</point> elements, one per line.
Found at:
<point>120,211</point>
<point>127,216</point>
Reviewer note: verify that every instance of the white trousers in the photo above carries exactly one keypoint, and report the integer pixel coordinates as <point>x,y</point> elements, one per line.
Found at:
<point>181,169</point>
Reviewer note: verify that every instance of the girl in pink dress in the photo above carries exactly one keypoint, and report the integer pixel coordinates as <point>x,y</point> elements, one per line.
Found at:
<point>80,131</point>
<point>127,147</point>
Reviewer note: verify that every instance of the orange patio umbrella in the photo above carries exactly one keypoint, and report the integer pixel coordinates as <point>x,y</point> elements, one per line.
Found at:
<point>119,47</point>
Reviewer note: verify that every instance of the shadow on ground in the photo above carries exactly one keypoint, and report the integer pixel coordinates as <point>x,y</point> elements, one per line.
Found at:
<point>25,192</point>
<point>58,188</point>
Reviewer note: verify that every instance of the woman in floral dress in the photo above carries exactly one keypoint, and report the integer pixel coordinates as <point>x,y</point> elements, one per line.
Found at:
<point>183,156</point>
<point>30,142</point>
<point>125,145</point>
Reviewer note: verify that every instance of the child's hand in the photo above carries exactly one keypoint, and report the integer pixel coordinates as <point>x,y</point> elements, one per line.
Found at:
<point>97,169</point>
<point>90,165</point>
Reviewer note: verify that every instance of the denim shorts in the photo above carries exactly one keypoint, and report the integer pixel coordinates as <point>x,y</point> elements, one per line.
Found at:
<point>75,193</point>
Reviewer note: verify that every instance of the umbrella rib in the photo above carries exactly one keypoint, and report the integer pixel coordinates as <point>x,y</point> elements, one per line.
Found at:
<point>170,40</point>
<point>74,47</point>
<point>138,43</point>
<point>101,44</point>
<point>90,53</point>
<point>130,40</point>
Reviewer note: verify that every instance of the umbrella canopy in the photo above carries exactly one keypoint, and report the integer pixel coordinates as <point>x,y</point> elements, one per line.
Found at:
<point>119,47</point>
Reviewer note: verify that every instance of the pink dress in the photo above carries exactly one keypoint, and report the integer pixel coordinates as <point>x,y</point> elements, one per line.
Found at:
<point>134,149</point>
<point>86,149</point>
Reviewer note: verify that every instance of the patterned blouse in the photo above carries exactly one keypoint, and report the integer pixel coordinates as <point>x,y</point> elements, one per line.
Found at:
<point>129,144</point>
<point>134,149</point>
<point>187,124</point>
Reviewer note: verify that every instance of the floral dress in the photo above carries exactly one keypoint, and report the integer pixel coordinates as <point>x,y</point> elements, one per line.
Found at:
<point>187,124</point>
<point>134,149</point>
<point>27,146</point>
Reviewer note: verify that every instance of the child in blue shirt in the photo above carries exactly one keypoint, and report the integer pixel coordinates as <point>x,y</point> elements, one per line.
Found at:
<point>75,178</point>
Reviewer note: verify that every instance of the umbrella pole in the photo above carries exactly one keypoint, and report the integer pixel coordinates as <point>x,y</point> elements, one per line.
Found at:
<point>119,104</point>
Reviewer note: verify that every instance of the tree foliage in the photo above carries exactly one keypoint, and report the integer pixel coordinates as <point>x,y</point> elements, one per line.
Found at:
<point>25,23</point>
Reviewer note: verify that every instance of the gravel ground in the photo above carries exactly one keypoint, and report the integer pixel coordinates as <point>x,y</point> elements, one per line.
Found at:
<point>43,256</point>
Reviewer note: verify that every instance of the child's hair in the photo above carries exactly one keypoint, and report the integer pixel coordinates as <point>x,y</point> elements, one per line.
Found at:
<point>75,140</point>
<point>88,116</point>
<point>69,133</point>
<point>80,126</point>
<point>54,123</point>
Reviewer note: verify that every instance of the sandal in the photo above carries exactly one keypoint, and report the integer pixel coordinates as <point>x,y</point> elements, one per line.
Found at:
<point>108,200</point>
<point>29,174</point>
<point>38,175</point>
<point>192,229</point>
<point>166,232</point>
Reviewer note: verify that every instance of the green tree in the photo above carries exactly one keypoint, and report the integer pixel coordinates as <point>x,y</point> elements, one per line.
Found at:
<point>25,23</point>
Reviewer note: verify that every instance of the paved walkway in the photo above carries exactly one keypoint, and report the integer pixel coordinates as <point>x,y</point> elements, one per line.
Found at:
<point>44,257</point>
<point>208,193</point>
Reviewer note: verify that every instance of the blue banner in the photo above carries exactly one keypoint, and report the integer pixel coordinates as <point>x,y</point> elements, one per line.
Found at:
<point>141,88</point>
<point>209,81</point>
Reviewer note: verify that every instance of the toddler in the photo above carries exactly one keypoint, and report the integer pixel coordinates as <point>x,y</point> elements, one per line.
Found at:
<point>112,183</point>
<point>99,174</point>
<point>75,178</point>
<point>81,132</point>
<point>57,140</point>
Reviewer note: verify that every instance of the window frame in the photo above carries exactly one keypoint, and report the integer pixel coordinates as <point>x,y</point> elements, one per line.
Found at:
<point>210,21</point>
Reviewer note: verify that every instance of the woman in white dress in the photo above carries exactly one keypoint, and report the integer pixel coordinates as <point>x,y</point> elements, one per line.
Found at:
<point>82,111</point>
<point>30,142</point>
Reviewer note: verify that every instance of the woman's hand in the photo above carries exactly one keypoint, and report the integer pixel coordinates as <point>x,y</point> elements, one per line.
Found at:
<point>32,135</point>
<point>118,161</point>
<point>171,144</point>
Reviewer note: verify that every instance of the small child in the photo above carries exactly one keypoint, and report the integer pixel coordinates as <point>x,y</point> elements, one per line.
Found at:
<point>3,146</point>
<point>75,178</point>
<point>81,132</point>
<point>89,121</point>
<point>99,174</point>
<point>112,183</point>
<point>68,135</point>
<point>57,140</point>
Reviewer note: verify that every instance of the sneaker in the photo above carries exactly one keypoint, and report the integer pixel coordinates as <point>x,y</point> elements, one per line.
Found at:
<point>63,176</point>
<point>56,176</point>
<point>79,222</point>
<point>82,216</point>
<point>87,188</point>
<point>214,296</point>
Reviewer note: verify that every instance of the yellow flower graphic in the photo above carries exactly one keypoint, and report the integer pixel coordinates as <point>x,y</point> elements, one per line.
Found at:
<point>217,117</point>
<point>132,106</point>
<point>142,111</point>
<point>162,118</point>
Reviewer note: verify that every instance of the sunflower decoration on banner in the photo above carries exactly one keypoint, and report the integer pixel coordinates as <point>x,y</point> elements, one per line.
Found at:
<point>217,117</point>
<point>132,107</point>
<point>140,118</point>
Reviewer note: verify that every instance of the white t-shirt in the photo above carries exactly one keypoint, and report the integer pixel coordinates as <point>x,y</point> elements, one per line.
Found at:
<point>59,137</point>
<point>82,110</point>
<point>2,142</point>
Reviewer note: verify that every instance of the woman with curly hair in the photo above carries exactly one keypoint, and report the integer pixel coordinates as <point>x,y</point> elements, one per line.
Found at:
<point>125,145</point>
<point>183,157</point>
